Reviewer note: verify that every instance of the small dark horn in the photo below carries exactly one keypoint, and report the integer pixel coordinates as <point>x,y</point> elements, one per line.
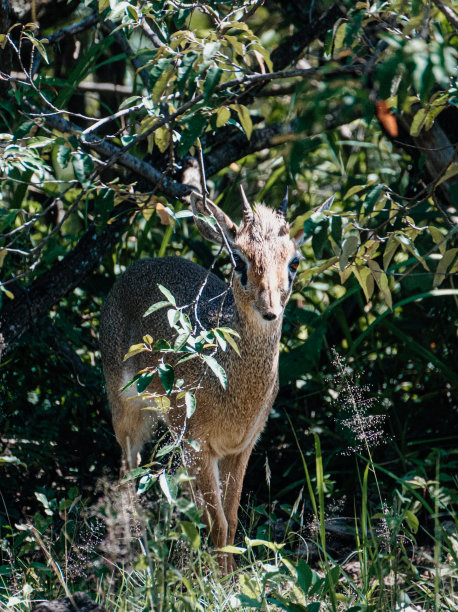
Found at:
<point>284,205</point>
<point>247,210</point>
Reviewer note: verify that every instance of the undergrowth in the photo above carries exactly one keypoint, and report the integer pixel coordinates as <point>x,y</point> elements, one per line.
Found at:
<point>142,546</point>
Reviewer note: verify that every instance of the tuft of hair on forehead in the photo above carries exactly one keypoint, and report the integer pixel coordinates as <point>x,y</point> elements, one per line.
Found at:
<point>267,224</point>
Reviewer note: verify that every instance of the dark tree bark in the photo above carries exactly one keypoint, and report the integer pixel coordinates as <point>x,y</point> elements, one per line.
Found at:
<point>291,49</point>
<point>7,19</point>
<point>19,315</point>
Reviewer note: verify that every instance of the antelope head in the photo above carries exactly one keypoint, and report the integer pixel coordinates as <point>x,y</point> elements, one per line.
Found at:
<point>264,255</point>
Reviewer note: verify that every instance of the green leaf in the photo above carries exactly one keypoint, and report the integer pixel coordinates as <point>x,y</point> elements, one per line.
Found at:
<point>83,167</point>
<point>181,341</point>
<point>336,228</point>
<point>168,71</point>
<point>134,474</point>
<point>165,450</point>
<point>135,349</point>
<point>412,521</point>
<point>194,129</point>
<point>349,248</point>
<point>223,115</point>
<point>210,50</point>
<point>144,381</point>
<point>217,370</point>
<point>190,401</point>
<point>339,38</point>
<point>162,138</point>
<point>164,484</point>
<point>38,45</point>
<point>366,280</point>
<point>418,122</point>
<point>372,197</point>
<point>186,358</point>
<point>304,575</point>
<point>390,249</point>
<point>354,190</point>
<point>244,118</point>
<point>39,141</point>
<point>233,550</point>
<point>382,281</point>
<point>131,382</point>
<point>439,238</point>
<point>173,317</point>
<point>156,306</point>
<point>167,294</point>
<point>190,531</point>
<point>162,346</point>
<point>220,339</point>
<point>145,483</point>
<point>185,322</point>
<point>212,80</point>
<point>231,341</point>
<point>230,331</point>
<point>452,171</point>
<point>9,459</point>
<point>167,376</point>
<point>442,267</point>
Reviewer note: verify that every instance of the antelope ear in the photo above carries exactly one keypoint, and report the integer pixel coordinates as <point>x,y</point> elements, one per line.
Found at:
<point>299,238</point>
<point>215,223</point>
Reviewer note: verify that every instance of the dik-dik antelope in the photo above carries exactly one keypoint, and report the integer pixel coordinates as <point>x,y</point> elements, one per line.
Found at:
<point>226,422</point>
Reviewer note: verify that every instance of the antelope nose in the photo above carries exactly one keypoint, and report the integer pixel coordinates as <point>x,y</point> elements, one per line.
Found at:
<point>269,316</point>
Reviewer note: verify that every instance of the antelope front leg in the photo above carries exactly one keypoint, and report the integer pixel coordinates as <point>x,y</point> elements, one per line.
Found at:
<point>233,468</point>
<point>206,488</point>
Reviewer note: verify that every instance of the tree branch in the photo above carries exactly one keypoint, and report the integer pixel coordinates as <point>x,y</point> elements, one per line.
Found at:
<point>55,38</point>
<point>7,18</point>
<point>18,315</point>
<point>449,13</point>
<point>290,50</point>
<point>109,151</point>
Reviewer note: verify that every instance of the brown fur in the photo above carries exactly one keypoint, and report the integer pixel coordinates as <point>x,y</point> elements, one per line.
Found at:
<point>227,422</point>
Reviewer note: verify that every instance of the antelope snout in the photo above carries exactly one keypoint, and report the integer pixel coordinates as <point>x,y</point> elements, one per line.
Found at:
<point>269,306</point>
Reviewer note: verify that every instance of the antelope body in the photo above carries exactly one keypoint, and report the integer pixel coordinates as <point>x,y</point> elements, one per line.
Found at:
<point>226,422</point>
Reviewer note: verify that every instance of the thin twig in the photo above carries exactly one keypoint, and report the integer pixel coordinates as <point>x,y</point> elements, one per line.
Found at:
<point>245,81</point>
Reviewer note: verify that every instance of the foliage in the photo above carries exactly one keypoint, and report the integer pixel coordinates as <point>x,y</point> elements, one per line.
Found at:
<point>105,102</point>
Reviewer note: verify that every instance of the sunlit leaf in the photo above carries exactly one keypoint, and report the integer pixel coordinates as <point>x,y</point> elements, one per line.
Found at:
<point>217,370</point>
<point>135,349</point>
<point>167,294</point>
<point>163,483</point>
<point>190,401</point>
<point>156,306</point>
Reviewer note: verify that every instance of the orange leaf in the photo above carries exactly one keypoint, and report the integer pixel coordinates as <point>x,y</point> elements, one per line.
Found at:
<point>163,214</point>
<point>386,118</point>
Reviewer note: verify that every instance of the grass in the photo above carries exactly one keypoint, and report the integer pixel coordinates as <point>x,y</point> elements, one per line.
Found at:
<point>398,550</point>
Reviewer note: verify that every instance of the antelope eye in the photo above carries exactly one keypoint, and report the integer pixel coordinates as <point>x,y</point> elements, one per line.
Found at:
<point>240,264</point>
<point>293,265</point>
<point>240,268</point>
